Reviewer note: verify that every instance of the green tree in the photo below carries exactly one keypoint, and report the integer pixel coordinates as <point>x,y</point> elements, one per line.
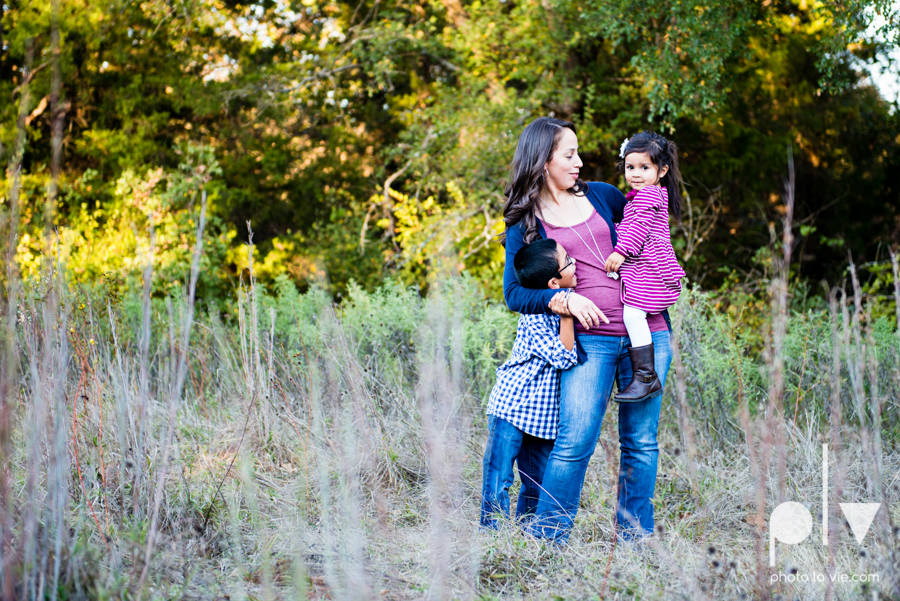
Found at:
<point>366,138</point>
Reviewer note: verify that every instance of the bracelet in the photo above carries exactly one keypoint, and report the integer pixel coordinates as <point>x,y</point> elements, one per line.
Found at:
<point>566,298</point>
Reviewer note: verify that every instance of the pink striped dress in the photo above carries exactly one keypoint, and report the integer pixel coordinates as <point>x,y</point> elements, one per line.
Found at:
<point>651,275</point>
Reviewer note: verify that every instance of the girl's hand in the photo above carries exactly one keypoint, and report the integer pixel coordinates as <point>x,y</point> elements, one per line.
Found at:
<point>582,309</point>
<point>613,262</point>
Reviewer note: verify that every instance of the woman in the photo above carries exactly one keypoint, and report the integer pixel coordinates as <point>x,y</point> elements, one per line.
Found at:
<point>546,199</point>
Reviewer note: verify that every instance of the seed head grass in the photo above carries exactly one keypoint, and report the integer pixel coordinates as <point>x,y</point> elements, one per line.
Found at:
<point>300,449</point>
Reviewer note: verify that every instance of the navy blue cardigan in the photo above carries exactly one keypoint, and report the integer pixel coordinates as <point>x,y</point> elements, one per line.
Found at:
<point>609,204</point>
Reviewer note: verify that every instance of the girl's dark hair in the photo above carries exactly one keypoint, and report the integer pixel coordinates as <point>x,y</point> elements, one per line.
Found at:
<point>537,143</point>
<point>662,153</point>
<point>536,263</point>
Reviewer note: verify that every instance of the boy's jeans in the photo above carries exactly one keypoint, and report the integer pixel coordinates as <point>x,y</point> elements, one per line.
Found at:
<point>507,444</point>
<point>584,393</point>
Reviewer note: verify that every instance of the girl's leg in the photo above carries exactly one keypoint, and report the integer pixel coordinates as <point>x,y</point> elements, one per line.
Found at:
<point>638,426</point>
<point>644,383</point>
<point>636,324</point>
<point>503,444</point>
<point>584,394</point>
<point>532,461</point>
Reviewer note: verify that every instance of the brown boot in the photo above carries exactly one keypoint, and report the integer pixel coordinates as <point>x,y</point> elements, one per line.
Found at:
<point>644,382</point>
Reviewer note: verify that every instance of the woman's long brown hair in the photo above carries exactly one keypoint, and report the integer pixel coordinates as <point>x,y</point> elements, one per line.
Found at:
<point>537,143</point>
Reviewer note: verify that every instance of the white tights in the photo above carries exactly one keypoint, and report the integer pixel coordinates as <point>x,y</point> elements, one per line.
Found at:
<point>636,324</point>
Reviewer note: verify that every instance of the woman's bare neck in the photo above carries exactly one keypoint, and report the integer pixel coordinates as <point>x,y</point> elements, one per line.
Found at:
<point>564,210</point>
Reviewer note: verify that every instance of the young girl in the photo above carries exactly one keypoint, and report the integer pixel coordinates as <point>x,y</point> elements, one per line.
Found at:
<point>643,257</point>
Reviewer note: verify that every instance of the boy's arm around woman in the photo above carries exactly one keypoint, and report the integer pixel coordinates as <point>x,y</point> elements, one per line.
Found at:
<point>530,301</point>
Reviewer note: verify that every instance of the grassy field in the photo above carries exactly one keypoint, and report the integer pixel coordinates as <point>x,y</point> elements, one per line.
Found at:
<point>299,449</point>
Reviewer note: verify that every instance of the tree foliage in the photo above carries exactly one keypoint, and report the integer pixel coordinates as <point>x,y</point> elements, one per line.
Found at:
<point>372,137</point>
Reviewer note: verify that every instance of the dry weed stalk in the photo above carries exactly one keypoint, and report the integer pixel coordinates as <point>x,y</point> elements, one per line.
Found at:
<point>835,301</point>
<point>445,424</point>
<point>775,425</point>
<point>684,416</point>
<point>9,361</point>
<point>177,386</point>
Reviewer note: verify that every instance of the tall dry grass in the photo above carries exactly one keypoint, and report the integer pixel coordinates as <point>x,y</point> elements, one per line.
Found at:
<point>303,449</point>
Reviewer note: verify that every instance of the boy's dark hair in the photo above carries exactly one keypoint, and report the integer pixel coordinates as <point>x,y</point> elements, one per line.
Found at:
<point>536,263</point>
<point>663,153</point>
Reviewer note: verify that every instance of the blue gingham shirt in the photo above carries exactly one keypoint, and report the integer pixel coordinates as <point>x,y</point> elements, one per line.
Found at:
<point>527,390</point>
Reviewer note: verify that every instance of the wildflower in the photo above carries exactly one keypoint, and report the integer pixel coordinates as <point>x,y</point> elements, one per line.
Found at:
<point>91,341</point>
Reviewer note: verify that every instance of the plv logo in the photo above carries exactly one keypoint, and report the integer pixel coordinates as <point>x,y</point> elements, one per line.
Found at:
<point>791,522</point>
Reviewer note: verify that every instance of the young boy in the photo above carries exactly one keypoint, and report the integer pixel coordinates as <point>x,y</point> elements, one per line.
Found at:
<point>524,406</point>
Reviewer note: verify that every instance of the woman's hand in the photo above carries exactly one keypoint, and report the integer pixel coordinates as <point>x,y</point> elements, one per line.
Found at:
<point>579,307</point>
<point>613,262</point>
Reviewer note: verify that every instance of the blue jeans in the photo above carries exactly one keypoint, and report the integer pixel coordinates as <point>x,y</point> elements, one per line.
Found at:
<point>584,394</point>
<point>507,444</point>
